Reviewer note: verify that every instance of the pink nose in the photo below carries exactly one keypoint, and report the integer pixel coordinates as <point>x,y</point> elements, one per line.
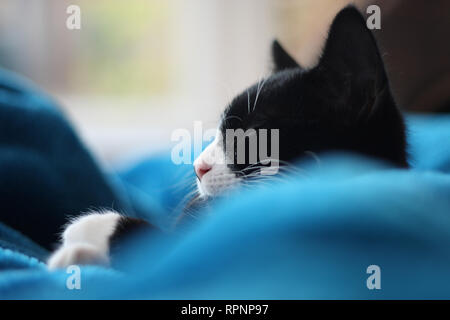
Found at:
<point>201,168</point>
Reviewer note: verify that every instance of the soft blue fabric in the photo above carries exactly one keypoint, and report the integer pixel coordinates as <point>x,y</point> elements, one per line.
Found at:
<point>46,173</point>
<point>312,235</point>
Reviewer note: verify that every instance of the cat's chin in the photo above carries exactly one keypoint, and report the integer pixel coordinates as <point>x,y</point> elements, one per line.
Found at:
<point>216,184</point>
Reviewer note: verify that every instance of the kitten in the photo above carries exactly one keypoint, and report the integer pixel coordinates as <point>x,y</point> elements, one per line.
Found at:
<point>343,103</point>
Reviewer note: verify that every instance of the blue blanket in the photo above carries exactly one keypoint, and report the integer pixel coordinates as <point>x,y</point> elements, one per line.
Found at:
<point>312,235</point>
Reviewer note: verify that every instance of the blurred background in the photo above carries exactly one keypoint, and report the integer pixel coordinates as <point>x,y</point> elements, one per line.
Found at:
<point>139,69</point>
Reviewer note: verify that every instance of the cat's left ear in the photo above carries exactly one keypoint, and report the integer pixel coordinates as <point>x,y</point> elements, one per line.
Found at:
<point>281,59</point>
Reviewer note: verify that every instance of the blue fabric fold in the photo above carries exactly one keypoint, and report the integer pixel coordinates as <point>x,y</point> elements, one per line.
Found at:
<point>312,235</point>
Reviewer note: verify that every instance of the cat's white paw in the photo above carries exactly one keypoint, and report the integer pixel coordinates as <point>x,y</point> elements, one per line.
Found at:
<point>86,241</point>
<point>77,254</point>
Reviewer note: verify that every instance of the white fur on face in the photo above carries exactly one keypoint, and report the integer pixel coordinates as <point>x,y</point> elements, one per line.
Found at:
<point>220,178</point>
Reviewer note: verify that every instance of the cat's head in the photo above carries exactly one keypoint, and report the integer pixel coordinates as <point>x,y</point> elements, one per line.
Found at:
<point>344,103</point>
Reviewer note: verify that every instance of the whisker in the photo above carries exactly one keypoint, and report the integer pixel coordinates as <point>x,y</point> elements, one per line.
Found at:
<point>314,156</point>
<point>180,208</point>
<point>258,90</point>
<point>248,101</point>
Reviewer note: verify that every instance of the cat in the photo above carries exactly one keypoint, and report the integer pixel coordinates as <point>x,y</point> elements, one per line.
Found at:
<point>344,103</point>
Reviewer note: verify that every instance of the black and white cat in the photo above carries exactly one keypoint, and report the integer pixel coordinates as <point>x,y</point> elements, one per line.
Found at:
<point>343,103</point>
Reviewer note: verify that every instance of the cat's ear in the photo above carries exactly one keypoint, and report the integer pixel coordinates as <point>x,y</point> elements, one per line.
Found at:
<point>281,59</point>
<point>351,57</point>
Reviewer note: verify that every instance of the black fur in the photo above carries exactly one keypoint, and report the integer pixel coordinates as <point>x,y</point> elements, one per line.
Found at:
<point>127,227</point>
<point>281,59</point>
<point>344,103</point>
